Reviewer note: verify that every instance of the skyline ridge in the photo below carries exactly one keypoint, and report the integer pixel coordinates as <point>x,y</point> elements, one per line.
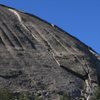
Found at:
<point>81,18</point>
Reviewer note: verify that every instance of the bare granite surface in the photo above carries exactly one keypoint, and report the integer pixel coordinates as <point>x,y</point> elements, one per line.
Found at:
<point>40,57</point>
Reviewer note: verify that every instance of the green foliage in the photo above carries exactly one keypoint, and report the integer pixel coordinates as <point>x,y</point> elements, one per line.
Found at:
<point>65,97</point>
<point>6,95</point>
<point>29,96</point>
<point>97,94</point>
<point>25,96</point>
<point>37,98</point>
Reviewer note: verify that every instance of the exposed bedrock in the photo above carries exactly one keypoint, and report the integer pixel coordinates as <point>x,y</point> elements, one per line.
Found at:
<point>37,56</point>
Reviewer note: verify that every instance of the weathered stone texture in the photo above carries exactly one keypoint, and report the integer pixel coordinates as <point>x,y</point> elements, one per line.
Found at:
<point>37,56</point>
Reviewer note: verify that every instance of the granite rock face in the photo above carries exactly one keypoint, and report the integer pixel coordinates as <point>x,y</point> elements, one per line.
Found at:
<point>40,57</point>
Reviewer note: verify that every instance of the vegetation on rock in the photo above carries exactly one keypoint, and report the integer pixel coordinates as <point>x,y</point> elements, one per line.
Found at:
<point>6,94</point>
<point>97,94</point>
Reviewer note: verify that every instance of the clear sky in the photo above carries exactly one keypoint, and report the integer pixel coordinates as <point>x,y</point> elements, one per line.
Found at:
<point>80,18</point>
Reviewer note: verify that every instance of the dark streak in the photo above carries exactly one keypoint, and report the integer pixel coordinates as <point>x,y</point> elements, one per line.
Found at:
<point>74,73</point>
<point>29,40</point>
<point>4,33</point>
<point>11,76</point>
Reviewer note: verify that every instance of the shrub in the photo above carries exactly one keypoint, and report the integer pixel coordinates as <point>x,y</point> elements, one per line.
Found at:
<point>24,96</point>
<point>65,97</point>
<point>97,94</point>
<point>5,94</point>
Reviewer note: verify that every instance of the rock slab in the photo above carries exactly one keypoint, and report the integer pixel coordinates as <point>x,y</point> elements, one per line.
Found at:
<point>40,57</point>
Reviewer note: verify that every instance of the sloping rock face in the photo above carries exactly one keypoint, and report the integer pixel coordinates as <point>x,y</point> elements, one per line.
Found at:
<point>39,57</point>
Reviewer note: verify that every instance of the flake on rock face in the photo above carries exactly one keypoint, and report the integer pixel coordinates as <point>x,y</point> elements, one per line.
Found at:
<point>38,56</point>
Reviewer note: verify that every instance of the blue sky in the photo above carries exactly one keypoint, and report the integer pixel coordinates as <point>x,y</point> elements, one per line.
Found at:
<point>80,18</point>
